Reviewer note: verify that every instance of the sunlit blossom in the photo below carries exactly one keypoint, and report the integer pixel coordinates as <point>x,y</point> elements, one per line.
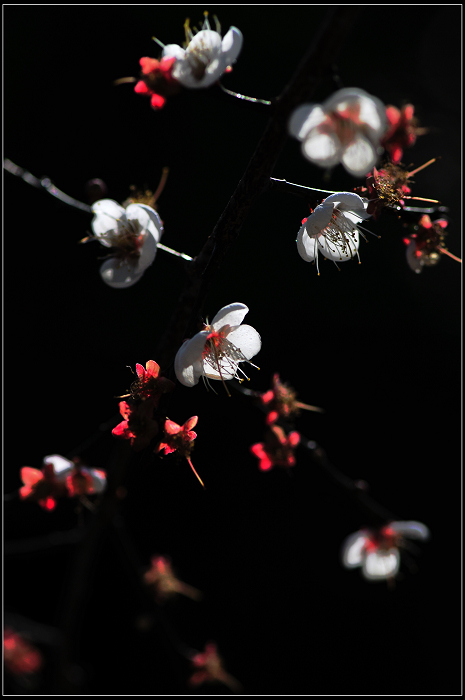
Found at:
<point>180,439</point>
<point>209,669</point>
<point>206,56</point>
<point>277,450</point>
<point>138,424</point>
<point>20,657</point>
<point>217,350</point>
<point>346,129</point>
<point>162,579</point>
<point>149,384</point>
<point>377,551</point>
<point>332,229</point>
<point>132,234</point>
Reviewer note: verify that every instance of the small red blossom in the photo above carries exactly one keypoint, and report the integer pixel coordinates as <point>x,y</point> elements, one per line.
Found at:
<point>210,669</point>
<point>21,658</point>
<point>157,80</point>
<point>161,577</point>
<point>149,385</point>
<point>401,132</point>
<point>139,425</point>
<point>426,243</point>
<point>83,481</point>
<point>281,402</point>
<point>389,187</point>
<point>180,439</point>
<point>277,450</point>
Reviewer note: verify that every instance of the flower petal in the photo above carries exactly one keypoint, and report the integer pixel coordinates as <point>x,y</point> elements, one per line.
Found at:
<point>61,466</point>
<point>306,245</point>
<point>107,213</point>
<point>339,250</point>
<point>231,315</point>
<point>173,50</point>
<point>119,274</point>
<point>188,363</point>
<point>381,564</point>
<point>353,550</point>
<point>320,218</point>
<point>359,157</point>
<point>232,44</point>
<point>322,148</point>
<point>304,119</point>
<point>246,339</point>
<point>147,218</point>
<point>411,528</point>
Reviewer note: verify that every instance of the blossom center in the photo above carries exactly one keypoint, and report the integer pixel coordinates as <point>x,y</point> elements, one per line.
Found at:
<point>340,234</point>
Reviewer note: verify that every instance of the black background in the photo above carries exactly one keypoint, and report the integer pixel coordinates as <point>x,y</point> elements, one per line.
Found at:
<point>374,344</point>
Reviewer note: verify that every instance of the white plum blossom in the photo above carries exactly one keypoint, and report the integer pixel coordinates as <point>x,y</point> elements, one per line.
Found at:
<point>377,551</point>
<point>346,129</point>
<point>206,57</point>
<point>133,233</point>
<point>216,351</point>
<point>332,229</point>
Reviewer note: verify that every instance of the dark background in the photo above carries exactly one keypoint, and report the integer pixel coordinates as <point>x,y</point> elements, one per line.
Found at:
<point>374,344</point>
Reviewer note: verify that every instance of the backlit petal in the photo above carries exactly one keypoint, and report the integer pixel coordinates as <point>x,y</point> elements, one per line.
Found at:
<point>353,550</point>
<point>232,44</point>
<point>304,119</point>
<point>411,528</point>
<point>231,315</point>
<point>188,364</point>
<point>246,339</point>
<point>147,218</point>
<point>107,213</point>
<point>359,157</point>
<point>306,245</point>
<point>321,148</point>
<point>119,274</point>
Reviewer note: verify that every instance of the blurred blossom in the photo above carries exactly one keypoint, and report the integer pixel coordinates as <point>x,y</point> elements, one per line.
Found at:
<point>401,132</point>
<point>217,350</point>
<point>209,669</point>
<point>156,80</point>
<point>58,478</point>
<point>332,229</point>
<point>281,402</point>
<point>20,657</point>
<point>377,551</point>
<point>346,129</point>
<point>277,450</point>
<point>161,577</point>
<point>206,56</point>
<point>426,244</point>
<point>132,234</point>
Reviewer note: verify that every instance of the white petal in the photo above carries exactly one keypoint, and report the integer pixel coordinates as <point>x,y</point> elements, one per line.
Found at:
<point>414,260</point>
<point>320,218</point>
<point>304,119</point>
<point>346,201</point>
<point>61,466</point>
<point>98,477</point>
<point>352,550</point>
<point>339,251</point>
<point>147,252</point>
<point>107,213</point>
<point>205,41</point>
<point>227,370</point>
<point>231,315</point>
<point>171,50</point>
<point>306,245</point>
<point>411,528</point>
<point>322,148</point>
<point>246,339</point>
<point>381,564</point>
<point>147,217</point>
<point>343,99</point>
<point>232,44</point>
<point>188,363</point>
<point>359,157</point>
<point>119,274</point>
<point>373,115</point>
